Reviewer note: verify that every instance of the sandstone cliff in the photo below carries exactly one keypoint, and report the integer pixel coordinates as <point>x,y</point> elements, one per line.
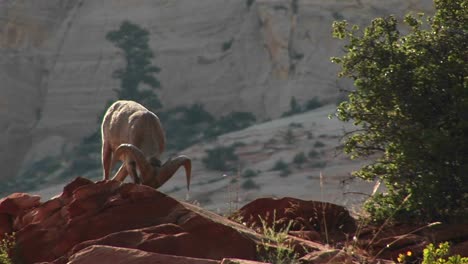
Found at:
<point>56,65</point>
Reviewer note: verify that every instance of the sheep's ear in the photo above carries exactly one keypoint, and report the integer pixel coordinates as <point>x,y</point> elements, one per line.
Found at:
<point>170,167</point>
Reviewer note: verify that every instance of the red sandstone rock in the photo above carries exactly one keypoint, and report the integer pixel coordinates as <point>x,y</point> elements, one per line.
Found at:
<point>460,249</point>
<point>113,222</point>
<point>6,225</point>
<point>240,261</point>
<point>127,215</point>
<point>332,256</point>
<point>306,234</point>
<point>116,255</point>
<point>390,241</point>
<point>16,203</point>
<point>305,216</point>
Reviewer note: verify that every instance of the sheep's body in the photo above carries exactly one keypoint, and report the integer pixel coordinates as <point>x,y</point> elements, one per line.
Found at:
<point>139,134</point>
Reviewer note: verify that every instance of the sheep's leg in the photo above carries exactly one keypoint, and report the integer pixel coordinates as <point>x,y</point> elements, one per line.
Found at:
<point>132,171</point>
<point>106,159</point>
<point>135,137</point>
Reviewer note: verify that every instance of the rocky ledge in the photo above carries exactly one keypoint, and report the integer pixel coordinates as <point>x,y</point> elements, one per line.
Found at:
<point>109,222</point>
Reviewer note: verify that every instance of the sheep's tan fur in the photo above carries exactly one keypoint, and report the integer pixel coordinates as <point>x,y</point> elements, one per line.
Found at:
<point>133,134</point>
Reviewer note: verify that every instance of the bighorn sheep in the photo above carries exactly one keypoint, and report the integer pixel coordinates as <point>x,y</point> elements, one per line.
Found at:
<point>133,134</point>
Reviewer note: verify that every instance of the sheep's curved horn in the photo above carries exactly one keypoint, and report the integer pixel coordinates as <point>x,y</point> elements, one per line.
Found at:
<point>139,158</point>
<point>170,167</point>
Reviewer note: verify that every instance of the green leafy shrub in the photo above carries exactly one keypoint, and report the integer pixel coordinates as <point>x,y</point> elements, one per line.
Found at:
<point>318,164</point>
<point>250,184</point>
<point>227,44</point>
<point>8,249</point>
<point>184,126</point>
<point>313,103</point>
<point>231,122</point>
<point>297,55</point>
<point>249,173</point>
<point>283,167</point>
<point>295,6</point>
<point>411,103</point>
<point>300,158</point>
<point>285,172</point>
<point>220,158</point>
<point>433,255</point>
<point>319,144</point>
<point>289,136</point>
<point>313,154</point>
<point>337,15</point>
<point>280,165</point>
<point>295,125</point>
<point>294,108</point>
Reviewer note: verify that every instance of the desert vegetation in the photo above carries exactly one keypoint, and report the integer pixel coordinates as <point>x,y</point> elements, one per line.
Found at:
<point>410,101</point>
<point>221,158</point>
<point>296,108</point>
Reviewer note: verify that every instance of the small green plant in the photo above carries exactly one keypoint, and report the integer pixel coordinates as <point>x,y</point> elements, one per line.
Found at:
<point>250,184</point>
<point>295,125</point>
<point>7,249</point>
<point>283,167</point>
<point>313,103</point>
<point>249,173</point>
<point>227,44</point>
<point>313,154</point>
<point>285,172</point>
<point>280,165</point>
<point>337,15</point>
<point>433,255</point>
<point>289,137</point>
<point>294,108</point>
<point>300,158</point>
<point>185,125</point>
<point>295,6</point>
<point>280,7</point>
<point>231,122</point>
<point>276,247</point>
<point>319,144</point>
<point>249,3</point>
<point>220,158</point>
<point>237,144</point>
<point>318,164</point>
<point>297,56</point>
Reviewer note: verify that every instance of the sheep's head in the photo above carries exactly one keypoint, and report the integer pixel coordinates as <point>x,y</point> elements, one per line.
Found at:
<point>152,173</point>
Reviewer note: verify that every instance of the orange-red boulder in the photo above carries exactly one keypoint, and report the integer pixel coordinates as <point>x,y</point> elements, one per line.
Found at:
<point>110,222</point>
<point>128,215</point>
<point>332,222</point>
<point>116,255</point>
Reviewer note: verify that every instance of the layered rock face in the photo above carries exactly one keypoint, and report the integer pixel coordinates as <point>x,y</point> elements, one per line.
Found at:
<point>25,64</point>
<point>56,65</point>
